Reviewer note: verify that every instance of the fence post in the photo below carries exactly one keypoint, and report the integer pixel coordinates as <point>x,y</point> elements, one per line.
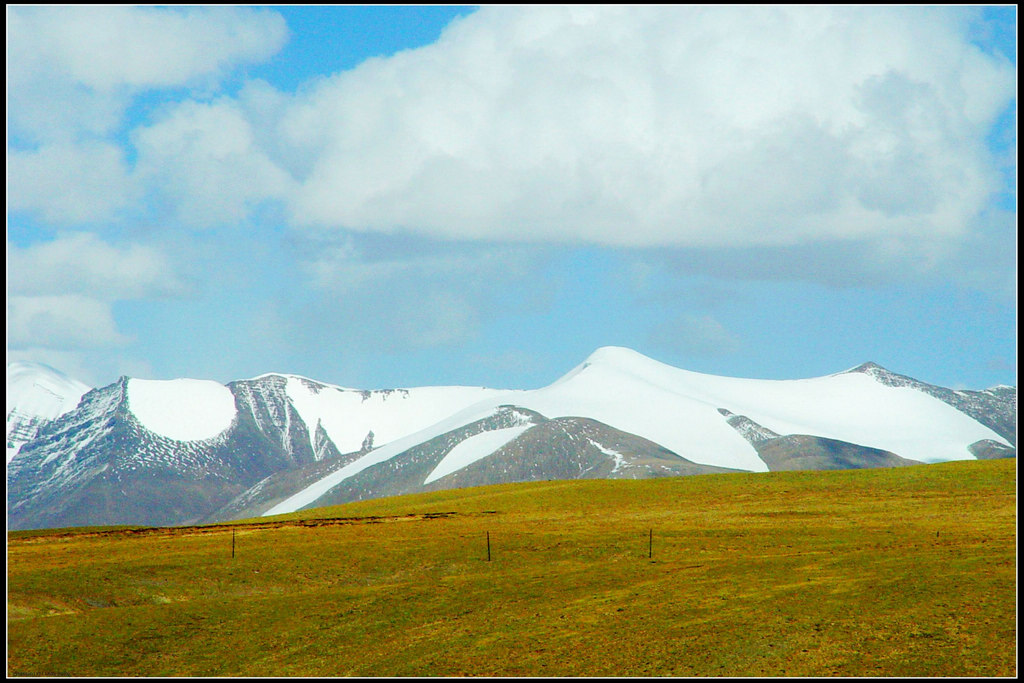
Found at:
<point>488,546</point>
<point>232,544</point>
<point>650,545</point>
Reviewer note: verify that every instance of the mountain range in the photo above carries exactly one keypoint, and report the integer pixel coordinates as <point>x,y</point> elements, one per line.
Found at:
<point>169,452</point>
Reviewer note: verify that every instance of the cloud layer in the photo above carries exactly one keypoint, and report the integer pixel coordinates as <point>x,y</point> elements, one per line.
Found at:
<point>652,126</point>
<point>73,70</point>
<point>61,293</point>
<point>678,126</point>
<point>839,145</point>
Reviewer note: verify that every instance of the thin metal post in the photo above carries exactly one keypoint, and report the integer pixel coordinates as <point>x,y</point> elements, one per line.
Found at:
<point>488,546</point>
<point>232,543</point>
<point>650,545</point>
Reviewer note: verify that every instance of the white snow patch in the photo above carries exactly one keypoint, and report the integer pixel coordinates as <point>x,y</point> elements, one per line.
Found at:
<point>348,415</point>
<point>311,493</point>
<point>620,460</point>
<point>474,448</point>
<point>678,410</point>
<point>616,388</point>
<point>35,393</point>
<point>182,409</point>
<point>852,407</point>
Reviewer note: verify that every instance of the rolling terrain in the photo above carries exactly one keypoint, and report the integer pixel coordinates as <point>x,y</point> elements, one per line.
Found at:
<point>903,571</point>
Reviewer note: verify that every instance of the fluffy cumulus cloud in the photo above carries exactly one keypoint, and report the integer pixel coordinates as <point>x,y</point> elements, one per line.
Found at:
<point>680,126</point>
<point>82,263</point>
<point>625,126</point>
<point>203,161</point>
<point>69,183</point>
<point>61,322</point>
<point>73,69</point>
<point>72,74</point>
<point>61,293</point>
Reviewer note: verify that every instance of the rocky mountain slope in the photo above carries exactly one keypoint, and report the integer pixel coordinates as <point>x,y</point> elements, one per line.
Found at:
<point>182,451</point>
<point>36,393</point>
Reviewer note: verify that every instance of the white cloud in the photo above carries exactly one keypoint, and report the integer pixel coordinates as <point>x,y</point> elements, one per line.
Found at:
<point>72,69</point>
<point>204,161</point>
<point>66,322</point>
<point>681,126</point>
<point>82,263</point>
<point>648,126</point>
<point>61,293</point>
<point>69,183</point>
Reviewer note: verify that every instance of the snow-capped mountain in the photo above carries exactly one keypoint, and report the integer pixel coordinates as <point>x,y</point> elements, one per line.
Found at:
<point>173,451</point>
<point>863,417</point>
<point>36,393</point>
<point>179,451</point>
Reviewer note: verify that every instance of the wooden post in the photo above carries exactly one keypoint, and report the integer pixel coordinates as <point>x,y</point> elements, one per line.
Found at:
<point>488,546</point>
<point>650,545</point>
<point>232,544</point>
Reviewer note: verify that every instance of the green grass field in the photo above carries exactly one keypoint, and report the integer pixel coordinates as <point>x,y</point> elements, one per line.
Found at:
<point>890,572</point>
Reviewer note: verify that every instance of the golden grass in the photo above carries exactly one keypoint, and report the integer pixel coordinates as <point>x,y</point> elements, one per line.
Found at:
<point>890,572</point>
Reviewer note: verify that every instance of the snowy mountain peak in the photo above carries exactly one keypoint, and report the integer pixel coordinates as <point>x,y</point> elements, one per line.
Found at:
<point>25,378</point>
<point>314,385</point>
<point>616,355</point>
<point>36,393</point>
<point>868,367</point>
<point>174,451</point>
<point>880,374</point>
<point>624,360</point>
<point>619,361</point>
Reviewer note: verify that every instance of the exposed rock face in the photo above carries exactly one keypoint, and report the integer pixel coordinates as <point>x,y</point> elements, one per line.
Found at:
<point>806,452</point>
<point>562,448</point>
<point>36,394</point>
<point>987,449</point>
<point>99,464</point>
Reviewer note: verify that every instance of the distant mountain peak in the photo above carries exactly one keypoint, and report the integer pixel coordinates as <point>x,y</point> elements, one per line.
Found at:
<point>177,451</point>
<point>614,354</point>
<point>624,360</point>
<point>869,366</point>
<point>36,393</point>
<point>876,371</point>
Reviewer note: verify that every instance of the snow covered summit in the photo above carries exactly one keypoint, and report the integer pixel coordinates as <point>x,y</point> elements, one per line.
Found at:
<point>36,393</point>
<point>707,422</point>
<point>187,450</point>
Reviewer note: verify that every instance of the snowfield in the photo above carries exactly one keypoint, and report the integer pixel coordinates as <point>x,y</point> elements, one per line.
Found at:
<point>182,409</point>
<point>474,448</point>
<point>309,494</point>
<point>849,406</point>
<point>35,393</point>
<point>348,415</point>
<point>679,410</point>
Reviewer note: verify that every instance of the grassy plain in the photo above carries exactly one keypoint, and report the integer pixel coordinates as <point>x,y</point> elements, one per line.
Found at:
<point>889,572</point>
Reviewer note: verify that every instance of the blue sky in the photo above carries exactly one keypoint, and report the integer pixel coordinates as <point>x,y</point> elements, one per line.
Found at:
<point>403,196</point>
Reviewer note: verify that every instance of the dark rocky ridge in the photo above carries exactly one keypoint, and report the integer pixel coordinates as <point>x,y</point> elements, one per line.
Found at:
<point>807,452</point>
<point>98,465</point>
